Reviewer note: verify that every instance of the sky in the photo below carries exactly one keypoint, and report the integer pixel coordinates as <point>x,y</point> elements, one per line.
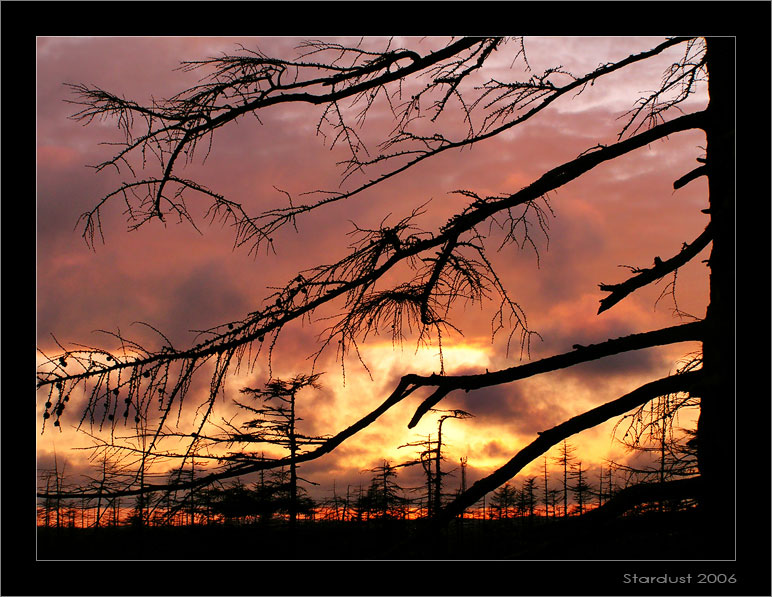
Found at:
<point>623,213</point>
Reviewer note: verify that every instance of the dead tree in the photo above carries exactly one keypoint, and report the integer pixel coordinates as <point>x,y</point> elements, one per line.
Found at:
<point>455,414</point>
<point>426,459</point>
<point>431,459</point>
<point>546,490</point>
<point>565,459</point>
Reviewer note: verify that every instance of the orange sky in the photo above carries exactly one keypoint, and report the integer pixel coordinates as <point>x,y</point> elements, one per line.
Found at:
<point>621,213</point>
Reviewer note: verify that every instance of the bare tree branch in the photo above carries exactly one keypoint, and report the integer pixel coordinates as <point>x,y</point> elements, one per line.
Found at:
<point>693,175</point>
<point>660,269</point>
<point>448,383</point>
<point>255,82</point>
<point>555,435</point>
<point>411,382</point>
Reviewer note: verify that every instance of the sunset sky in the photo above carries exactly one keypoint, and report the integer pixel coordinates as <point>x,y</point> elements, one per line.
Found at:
<point>622,213</point>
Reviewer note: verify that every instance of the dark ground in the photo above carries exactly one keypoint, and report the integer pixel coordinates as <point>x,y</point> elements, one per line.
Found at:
<point>575,557</point>
<point>674,536</point>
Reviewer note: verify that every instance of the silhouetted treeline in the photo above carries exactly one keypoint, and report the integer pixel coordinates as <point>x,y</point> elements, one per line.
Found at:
<point>571,490</point>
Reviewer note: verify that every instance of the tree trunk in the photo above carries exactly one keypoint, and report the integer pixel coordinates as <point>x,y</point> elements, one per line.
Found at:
<point>438,473</point>
<point>546,492</point>
<point>293,465</point>
<point>716,427</point>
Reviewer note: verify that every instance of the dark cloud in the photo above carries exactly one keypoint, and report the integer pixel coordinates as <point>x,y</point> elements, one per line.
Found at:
<point>208,295</point>
<point>519,407</point>
<point>494,449</point>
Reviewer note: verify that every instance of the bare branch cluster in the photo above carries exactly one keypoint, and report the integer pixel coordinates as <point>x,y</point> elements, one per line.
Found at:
<point>245,84</point>
<point>678,84</point>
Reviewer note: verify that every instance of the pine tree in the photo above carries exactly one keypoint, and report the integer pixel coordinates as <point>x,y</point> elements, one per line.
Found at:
<point>529,495</point>
<point>581,489</point>
<point>277,424</point>
<point>504,500</point>
<point>546,490</point>
<point>384,496</point>
<point>565,459</point>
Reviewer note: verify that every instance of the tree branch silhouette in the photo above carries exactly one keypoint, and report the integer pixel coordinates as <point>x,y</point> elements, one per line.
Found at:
<point>660,269</point>
<point>411,382</point>
<point>553,436</point>
<point>448,383</point>
<point>254,82</point>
